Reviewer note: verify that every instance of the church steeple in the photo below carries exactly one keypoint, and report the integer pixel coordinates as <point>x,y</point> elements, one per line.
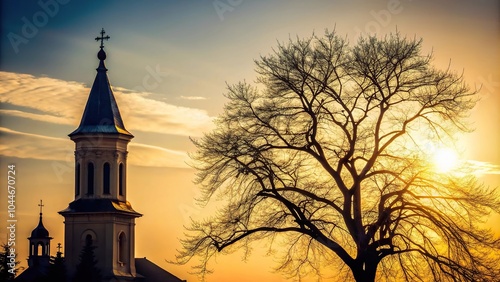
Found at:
<point>100,212</point>
<point>101,141</point>
<point>101,114</point>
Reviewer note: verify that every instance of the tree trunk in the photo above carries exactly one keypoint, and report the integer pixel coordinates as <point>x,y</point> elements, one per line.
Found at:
<point>364,271</point>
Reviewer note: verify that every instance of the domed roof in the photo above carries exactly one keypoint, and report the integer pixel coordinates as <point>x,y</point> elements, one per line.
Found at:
<point>40,231</point>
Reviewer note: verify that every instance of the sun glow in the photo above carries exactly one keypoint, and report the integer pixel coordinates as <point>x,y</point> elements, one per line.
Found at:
<point>445,160</point>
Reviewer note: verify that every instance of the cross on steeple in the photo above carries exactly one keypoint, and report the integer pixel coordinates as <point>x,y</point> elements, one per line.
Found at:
<point>41,205</point>
<point>102,38</point>
<point>59,247</point>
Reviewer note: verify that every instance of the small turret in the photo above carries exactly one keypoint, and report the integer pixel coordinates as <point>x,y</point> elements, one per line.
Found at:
<point>39,254</point>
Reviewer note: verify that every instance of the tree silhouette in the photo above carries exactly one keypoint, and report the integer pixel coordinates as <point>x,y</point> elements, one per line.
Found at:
<point>86,270</point>
<point>7,272</point>
<point>329,155</point>
<point>57,268</point>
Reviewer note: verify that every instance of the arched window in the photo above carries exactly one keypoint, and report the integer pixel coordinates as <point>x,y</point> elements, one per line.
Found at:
<point>120,180</point>
<point>39,249</point>
<point>77,180</point>
<point>122,248</point>
<point>88,240</point>
<point>106,178</point>
<point>90,179</point>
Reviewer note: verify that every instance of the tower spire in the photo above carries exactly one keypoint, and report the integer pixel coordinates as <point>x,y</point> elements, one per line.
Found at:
<point>101,114</point>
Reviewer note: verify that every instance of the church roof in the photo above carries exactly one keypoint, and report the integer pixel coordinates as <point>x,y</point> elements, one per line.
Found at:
<point>100,205</point>
<point>40,231</point>
<point>101,114</point>
<point>147,272</point>
<point>153,273</point>
<point>32,274</point>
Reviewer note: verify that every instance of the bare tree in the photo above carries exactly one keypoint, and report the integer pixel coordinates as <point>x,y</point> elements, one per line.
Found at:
<point>327,154</point>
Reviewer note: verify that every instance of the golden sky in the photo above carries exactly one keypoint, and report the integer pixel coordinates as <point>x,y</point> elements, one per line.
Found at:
<point>168,64</point>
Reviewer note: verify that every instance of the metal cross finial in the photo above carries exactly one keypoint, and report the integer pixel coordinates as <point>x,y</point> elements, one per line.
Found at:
<point>59,247</point>
<point>102,38</point>
<point>41,205</point>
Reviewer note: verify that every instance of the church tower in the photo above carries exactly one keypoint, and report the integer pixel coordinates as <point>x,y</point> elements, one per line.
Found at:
<point>100,213</point>
<point>39,252</point>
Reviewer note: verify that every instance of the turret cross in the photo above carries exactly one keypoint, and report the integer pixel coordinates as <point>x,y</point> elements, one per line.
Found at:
<point>102,38</point>
<point>41,205</point>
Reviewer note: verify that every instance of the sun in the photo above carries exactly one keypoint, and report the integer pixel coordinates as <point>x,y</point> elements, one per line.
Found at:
<point>445,160</point>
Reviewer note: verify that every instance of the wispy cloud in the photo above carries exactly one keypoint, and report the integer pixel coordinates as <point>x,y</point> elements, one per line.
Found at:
<point>62,102</point>
<point>147,155</point>
<point>38,117</point>
<point>156,116</point>
<point>482,168</point>
<point>43,97</point>
<point>193,98</point>
<point>34,146</point>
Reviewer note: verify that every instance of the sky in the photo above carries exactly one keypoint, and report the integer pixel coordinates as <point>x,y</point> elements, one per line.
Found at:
<point>169,63</point>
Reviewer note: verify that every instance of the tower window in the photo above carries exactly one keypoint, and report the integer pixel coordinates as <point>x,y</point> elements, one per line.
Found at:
<point>120,180</point>
<point>122,253</point>
<point>106,178</point>
<point>90,179</point>
<point>39,249</point>
<point>77,180</point>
